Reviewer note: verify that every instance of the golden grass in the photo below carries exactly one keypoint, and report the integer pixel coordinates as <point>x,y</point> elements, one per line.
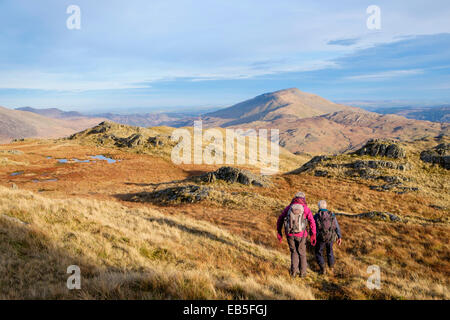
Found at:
<point>287,160</point>
<point>224,247</point>
<point>129,254</point>
<point>140,253</point>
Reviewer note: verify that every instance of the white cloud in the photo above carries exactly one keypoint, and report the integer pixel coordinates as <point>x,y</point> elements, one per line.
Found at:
<point>385,75</point>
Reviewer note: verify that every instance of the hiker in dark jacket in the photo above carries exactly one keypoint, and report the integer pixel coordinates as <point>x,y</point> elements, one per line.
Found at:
<point>295,218</point>
<point>328,232</point>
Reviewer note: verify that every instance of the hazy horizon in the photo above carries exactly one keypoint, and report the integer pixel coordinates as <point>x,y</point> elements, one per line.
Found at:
<point>362,103</point>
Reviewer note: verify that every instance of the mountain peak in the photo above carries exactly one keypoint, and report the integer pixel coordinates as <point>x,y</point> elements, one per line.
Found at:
<point>289,102</point>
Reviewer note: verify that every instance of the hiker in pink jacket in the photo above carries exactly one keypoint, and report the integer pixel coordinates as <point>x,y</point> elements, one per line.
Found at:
<point>295,218</point>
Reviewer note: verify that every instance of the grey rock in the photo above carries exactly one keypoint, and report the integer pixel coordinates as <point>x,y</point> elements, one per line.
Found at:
<point>321,173</point>
<point>378,164</point>
<point>311,164</point>
<point>158,141</point>
<point>373,215</point>
<point>391,179</point>
<point>380,215</point>
<point>364,173</point>
<point>132,141</point>
<point>439,155</point>
<point>382,148</point>
<point>234,175</point>
<point>181,194</point>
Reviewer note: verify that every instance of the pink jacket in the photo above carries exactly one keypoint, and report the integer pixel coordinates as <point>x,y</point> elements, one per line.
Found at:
<point>308,216</point>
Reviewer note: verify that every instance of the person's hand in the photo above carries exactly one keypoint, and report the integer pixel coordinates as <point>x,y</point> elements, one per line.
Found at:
<point>313,240</point>
<point>339,241</point>
<point>280,238</point>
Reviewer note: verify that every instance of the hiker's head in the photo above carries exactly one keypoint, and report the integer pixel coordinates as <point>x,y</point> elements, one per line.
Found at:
<point>322,204</point>
<point>300,195</point>
<point>297,208</point>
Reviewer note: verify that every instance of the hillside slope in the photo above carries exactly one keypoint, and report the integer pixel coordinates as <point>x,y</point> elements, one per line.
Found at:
<point>105,218</point>
<point>157,141</point>
<point>288,103</point>
<point>15,124</point>
<point>52,112</point>
<point>128,254</point>
<point>435,113</point>
<point>343,131</point>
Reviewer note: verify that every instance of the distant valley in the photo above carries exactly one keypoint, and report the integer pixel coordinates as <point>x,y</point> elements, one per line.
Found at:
<point>308,124</point>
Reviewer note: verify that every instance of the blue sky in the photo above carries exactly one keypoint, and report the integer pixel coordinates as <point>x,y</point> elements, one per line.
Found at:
<point>170,54</point>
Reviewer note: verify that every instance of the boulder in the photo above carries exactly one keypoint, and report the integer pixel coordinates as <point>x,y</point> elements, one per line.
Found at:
<point>380,216</point>
<point>321,173</point>
<point>181,194</point>
<point>311,164</point>
<point>158,141</point>
<point>364,173</point>
<point>391,179</point>
<point>439,155</point>
<point>382,148</point>
<point>132,141</point>
<point>396,187</point>
<point>377,164</point>
<point>373,215</point>
<point>234,175</point>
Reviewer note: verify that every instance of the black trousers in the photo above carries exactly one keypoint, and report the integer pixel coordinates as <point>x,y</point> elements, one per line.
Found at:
<point>320,247</point>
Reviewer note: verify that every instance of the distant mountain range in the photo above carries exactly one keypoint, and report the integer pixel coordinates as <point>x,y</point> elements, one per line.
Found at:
<point>312,124</point>
<point>52,112</point>
<point>16,124</point>
<point>307,123</point>
<point>435,114</point>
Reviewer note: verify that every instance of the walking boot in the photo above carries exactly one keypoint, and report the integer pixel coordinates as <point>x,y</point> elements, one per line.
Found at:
<point>322,270</point>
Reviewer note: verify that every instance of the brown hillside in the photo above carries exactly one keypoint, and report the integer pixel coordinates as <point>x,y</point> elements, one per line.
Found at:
<point>15,124</point>
<point>222,246</point>
<point>346,130</point>
<point>270,106</point>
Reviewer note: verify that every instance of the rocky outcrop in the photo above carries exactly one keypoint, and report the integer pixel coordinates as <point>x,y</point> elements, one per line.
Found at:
<point>159,141</point>
<point>132,141</point>
<point>173,195</point>
<point>321,173</point>
<point>378,164</point>
<point>311,164</point>
<point>382,148</point>
<point>361,168</point>
<point>396,187</point>
<point>364,173</point>
<point>234,175</point>
<point>439,155</point>
<point>122,136</point>
<point>373,215</point>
